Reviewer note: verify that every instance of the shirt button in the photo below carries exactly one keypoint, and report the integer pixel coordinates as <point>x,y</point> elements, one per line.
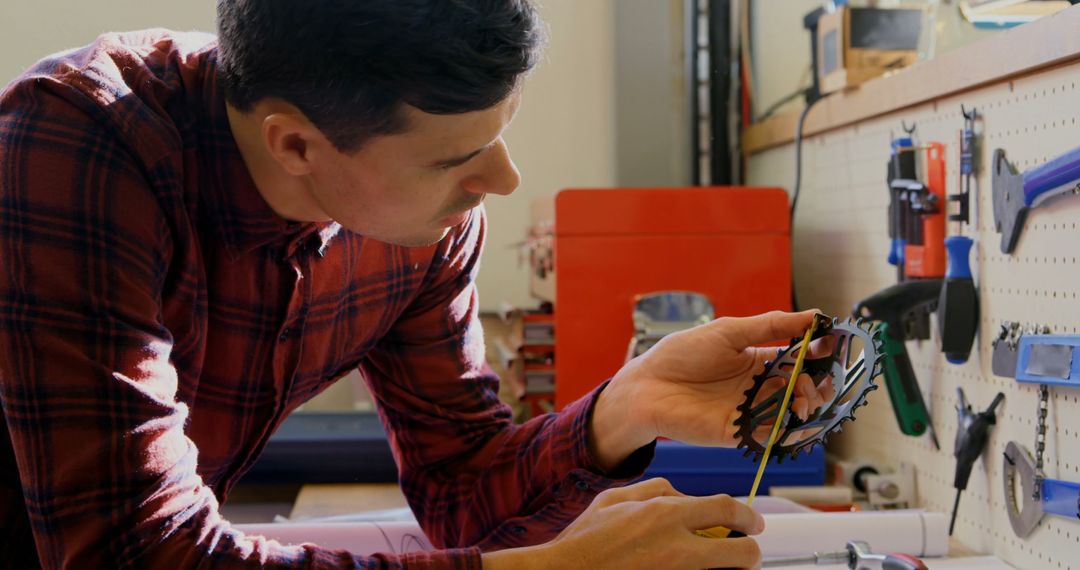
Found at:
<point>518,530</point>
<point>581,485</point>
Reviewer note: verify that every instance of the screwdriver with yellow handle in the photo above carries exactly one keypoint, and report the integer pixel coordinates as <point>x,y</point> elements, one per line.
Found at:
<point>724,532</point>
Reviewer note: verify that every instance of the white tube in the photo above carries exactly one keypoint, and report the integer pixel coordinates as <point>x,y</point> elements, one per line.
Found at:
<point>913,532</point>
<point>819,495</point>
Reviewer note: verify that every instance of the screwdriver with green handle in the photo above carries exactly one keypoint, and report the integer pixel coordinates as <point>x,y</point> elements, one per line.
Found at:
<point>904,393</point>
<point>889,307</point>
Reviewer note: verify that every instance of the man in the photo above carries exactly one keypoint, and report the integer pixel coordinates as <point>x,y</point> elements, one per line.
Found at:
<point>198,235</point>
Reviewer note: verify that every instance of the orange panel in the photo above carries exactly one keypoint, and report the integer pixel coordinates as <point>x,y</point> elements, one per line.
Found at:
<point>928,260</point>
<point>670,211</point>
<point>734,248</point>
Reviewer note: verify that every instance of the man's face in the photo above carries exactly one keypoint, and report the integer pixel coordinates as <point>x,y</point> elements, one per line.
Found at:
<point>410,188</point>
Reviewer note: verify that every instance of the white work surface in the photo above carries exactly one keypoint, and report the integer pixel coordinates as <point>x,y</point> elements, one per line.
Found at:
<point>333,516</point>
<point>979,563</point>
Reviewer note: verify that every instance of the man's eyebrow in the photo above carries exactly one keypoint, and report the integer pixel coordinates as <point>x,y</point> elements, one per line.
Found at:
<point>459,160</point>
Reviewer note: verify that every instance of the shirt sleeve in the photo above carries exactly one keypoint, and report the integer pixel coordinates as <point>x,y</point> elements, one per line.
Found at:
<point>87,386</point>
<point>471,476</point>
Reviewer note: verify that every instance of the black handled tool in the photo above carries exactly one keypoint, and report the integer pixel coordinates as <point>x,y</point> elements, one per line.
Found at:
<point>973,429</point>
<point>958,305</point>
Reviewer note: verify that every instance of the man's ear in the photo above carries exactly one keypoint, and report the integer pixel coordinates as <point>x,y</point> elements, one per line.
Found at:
<point>292,140</point>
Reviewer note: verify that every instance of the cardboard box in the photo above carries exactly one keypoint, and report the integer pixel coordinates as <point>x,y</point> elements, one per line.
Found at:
<point>858,44</point>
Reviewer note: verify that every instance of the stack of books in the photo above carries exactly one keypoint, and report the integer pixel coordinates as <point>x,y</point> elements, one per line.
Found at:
<point>1007,13</point>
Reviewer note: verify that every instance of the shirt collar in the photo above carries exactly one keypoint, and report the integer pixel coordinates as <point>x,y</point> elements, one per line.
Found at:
<point>244,220</point>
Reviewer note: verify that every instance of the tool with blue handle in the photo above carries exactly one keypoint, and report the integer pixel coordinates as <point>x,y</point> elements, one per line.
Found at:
<point>1044,359</point>
<point>1016,194</point>
<point>1049,359</point>
<point>901,167</point>
<point>1038,495</point>
<point>958,304</point>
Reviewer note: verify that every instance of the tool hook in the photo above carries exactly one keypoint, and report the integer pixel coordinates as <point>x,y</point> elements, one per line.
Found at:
<point>999,160</point>
<point>969,116</point>
<point>962,404</point>
<point>909,131</point>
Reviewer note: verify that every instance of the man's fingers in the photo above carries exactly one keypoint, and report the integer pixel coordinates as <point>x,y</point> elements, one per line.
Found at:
<point>741,552</point>
<point>762,355</point>
<point>827,391</point>
<point>721,510</point>
<point>809,390</point>
<point>821,347</point>
<point>801,408</point>
<point>769,327</point>
<point>640,491</point>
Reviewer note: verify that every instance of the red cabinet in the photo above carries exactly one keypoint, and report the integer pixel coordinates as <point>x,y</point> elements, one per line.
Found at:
<point>731,244</point>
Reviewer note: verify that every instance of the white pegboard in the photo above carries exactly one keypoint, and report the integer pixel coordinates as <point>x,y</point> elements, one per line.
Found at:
<point>840,251</point>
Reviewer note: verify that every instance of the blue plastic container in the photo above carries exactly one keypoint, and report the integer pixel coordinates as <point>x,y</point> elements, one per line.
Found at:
<point>699,471</point>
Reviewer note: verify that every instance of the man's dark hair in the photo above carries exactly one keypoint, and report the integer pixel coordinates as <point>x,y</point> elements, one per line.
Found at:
<point>348,65</point>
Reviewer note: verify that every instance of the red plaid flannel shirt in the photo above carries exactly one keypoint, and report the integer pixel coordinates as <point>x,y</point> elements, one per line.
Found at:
<point>158,321</point>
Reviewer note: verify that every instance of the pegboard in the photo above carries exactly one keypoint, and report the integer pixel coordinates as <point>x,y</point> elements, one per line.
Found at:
<point>840,249</point>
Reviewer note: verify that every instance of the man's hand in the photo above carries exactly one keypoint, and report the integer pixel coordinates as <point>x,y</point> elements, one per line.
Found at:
<point>645,525</point>
<point>688,385</point>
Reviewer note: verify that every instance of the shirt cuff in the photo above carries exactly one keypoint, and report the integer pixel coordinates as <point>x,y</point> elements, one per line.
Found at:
<point>578,415</point>
<point>449,559</point>
<point>577,480</point>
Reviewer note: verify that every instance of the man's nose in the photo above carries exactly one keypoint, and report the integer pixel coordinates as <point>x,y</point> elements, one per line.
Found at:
<point>496,175</point>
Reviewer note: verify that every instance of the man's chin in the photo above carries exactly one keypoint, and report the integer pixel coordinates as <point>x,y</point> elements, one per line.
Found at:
<point>421,237</point>
<point>416,240</point>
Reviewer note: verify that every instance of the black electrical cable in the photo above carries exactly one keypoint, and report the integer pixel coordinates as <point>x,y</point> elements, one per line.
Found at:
<point>783,101</point>
<point>795,192</point>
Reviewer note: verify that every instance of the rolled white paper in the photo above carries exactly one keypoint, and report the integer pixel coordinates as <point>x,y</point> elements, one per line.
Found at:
<point>910,531</point>
<point>818,495</point>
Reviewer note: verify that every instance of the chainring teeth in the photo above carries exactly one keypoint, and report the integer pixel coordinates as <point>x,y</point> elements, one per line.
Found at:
<point>833,413</point>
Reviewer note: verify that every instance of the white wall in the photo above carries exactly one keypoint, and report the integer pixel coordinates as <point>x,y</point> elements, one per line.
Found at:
<point>32,29</point>
<point>564,135</point>
<point>652,127</point>
<point>780,48</point>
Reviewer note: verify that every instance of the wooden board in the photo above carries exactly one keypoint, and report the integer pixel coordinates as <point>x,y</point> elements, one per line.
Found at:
<point>342,499</point>
<point>1047,42</point>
